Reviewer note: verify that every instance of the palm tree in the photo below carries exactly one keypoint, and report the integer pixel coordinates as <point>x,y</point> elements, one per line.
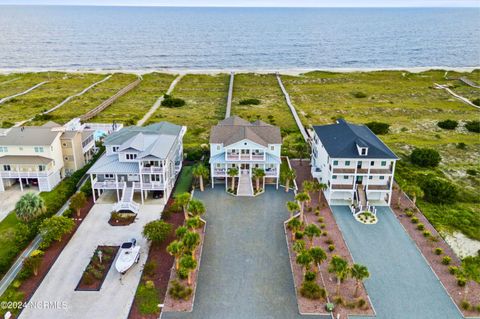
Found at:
<point>196,207</point>
<point>29,207</point>
<point>308,188</point>
<point>257,174</point>
<point>414,192</point>
<point>183,199</point>
<point>294,225</point>
<point>191,240</point>
<point>176,249</point>
<point>302,198</point>
<point>470,271</point>
<point>312,231</point>
<point>339,267</point>
<point>232,172</point>
<point>289,175</point>
<point>318,256</point>
<point>320,188</point>
<point>189,263</point>
<point>359,273</point>
<point>299,246</point>
<point>292,207</point>
<point>304,259</point>
<point>201,172</point>
<point>193,222</point>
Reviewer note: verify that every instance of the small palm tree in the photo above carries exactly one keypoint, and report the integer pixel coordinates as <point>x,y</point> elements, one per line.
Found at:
<point>302,198</point>
<point>308,188</point>
<point>339,267</point>
<point>299,246</point>
<point>292,207</point>
<point>201,172</point>
<point>304,259</point>
<point>294,225</point>
<point>193,222</point>
<point>232,172</point>
<point>29,207</point>
<point>191,240</point>
<point>189,263</point>
<point>359,273</point>
<point>176,249</point>
<point>183,200</point>
<point>196,207</point>
<point>289,175</point>
<point>312,231</point>
<point>318,256</point>
<point>257,174</point>
<point>181,231</point>
<point>320,188</point>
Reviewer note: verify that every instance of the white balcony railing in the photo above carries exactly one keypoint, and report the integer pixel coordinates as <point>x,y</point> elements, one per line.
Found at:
<point>153,186</point>
<point>108,184</point>
<point>271,172</point>
<point>17,174</point>
<point>219,171</point>
<point>152,170</point>
<point>245,157</point>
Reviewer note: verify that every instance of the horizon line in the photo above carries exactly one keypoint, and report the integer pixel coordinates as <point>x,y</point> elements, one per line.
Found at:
<point>233,6</point>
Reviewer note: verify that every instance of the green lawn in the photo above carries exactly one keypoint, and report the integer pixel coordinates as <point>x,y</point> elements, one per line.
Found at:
<point>410,104</point>
<point>47,96</point>
<point>7,238</point>
<point>205,97</point>
<point>82,104</point>
<point>184,180</point>
<point>132,106</point>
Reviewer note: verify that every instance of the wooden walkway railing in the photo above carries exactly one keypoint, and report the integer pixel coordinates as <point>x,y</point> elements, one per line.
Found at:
<point>230,95</point>
<point>93,112</point>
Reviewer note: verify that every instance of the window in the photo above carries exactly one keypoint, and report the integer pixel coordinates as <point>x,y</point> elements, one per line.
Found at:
<point>155,178</point>
<point>41,168</point>
<point>218,147</point>
<point>20,148</point>
<point>272,148</point>
<point>115,148</point>
<point>364,151</point>
<point>347,163</point>
<point>345,177</point>
<point>372,163</point>
<point>38,149</point>
<point>370,177</point>
<point>382,177</point>
<point>334,176</point>
<point>64,144</point>
<point>335,163</point>
<point>7,168</point>
<point>3,149</point>
<point>108,176</point>
<point>131,156</point>
<point>384,163</point>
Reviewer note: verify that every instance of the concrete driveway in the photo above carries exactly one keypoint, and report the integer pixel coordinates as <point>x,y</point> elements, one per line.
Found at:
<point>401,284</point>
<point>115,297</point>
<point>245,269</point>
<point>10,197</point>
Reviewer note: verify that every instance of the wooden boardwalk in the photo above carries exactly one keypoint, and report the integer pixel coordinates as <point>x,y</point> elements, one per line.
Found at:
<point>459,97</point>
<point>469,82</point>
<point>230,95</point>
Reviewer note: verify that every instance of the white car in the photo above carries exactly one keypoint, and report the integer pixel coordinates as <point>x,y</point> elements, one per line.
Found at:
<point>129,254</point>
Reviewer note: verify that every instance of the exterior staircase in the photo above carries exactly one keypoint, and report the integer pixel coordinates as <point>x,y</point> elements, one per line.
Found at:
<point>245,187</point>
<point>362,204</point>
<point>362,197</point>
<point>127,202</point>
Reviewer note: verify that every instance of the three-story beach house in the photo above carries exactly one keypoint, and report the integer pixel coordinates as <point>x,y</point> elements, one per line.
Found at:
<point>139,159</point>
<point>237,143</point>
<point>354,163</point>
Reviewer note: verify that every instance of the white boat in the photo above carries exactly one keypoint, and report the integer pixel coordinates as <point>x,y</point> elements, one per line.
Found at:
<point>129,254</point>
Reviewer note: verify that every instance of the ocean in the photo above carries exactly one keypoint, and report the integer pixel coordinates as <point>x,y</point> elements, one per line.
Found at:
<point>147,38</point>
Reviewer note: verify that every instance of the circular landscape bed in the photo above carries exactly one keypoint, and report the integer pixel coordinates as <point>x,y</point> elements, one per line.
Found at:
<point>366,218</point>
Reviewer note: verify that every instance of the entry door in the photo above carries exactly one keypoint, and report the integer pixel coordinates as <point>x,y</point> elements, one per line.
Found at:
<point>359,179</point>
<point>245,167</point>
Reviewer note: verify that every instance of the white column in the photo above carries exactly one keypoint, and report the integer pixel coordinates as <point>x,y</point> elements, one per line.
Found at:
<point>93,188</point>
<point>391,183</point>
<point>116,186</point>
<point>20,179</point>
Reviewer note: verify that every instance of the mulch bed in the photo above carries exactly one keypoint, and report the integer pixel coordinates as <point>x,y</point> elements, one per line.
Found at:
<point>427,248</point>
<point>163,261</point>
<point>123,221</point>
<point>347,288</point>
<point>109,253</point>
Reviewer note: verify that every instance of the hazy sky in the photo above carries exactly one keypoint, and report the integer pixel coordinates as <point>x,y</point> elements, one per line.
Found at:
<point>261,3</point>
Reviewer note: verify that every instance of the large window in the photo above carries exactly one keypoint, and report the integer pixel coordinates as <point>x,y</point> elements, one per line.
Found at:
<point>347,163</point>
<point>7,168</point>
<point>41,168</point>
<point>384,163</point>
<point>3,149</point>
<point>155,178</point>
<point>334,176</point>
<point>335,163</point>
<point>109,176</point>
<point>38,149</point>
<point>131,156</point>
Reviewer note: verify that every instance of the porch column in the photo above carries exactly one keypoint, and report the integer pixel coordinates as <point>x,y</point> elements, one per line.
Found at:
<point>93,188</point>
<point>116,186</point>
<point>20,179</point>
<point>212,169</point>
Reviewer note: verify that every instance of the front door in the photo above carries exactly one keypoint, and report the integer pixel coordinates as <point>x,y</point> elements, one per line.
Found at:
<point>359,179</point>
<point>245,168</point>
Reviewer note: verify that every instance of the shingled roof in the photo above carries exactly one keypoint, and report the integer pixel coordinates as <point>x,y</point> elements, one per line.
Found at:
<point>235,129</point>
<point>341,139</point>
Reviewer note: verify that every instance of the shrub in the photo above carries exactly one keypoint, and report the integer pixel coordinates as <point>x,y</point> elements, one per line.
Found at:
<point>359,95</point>
<point>465,305</point>
<point>23,234</point>
<point>331,247</point>
<point>461,281</point>
<point>378,127</point>
<point>148,299</point>
<point>149,268</point>
<point>170,101</point>
<point>87,278</point>
<point>472,172</point>
<point>420,226</point>
<point>446,260</point>
<point>452,270</point>
<point>409,213</point>
<point>473,126</point>
<point>157,231</point>
<point>448,124</point>
<point>320,219</point>
<point>361,303</point>
<point>438,251</point>
<point>311,290</point>
<point>310,276</point>
<point>54,228</point>
<point>329,241</point>
<point>299,235</point>
<point>178,291</point>
<point>43,117</point>
<point>182,273</point>
<point>477,307</point>
<point>33,262</point>
<point>425,157</point>
<point>322,225</point>
<point>87,188</point>
<point>440,191</point>
<point>414,220</point>
<point>461,146</point>
<point>324,233</point>
<point>194,153</point>
<point>249,102</point>
<point>427,233</point>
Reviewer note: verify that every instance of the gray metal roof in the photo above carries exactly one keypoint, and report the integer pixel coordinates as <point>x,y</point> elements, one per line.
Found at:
<point>341,140</point>
<point>29,135</point>
<point>26,160</point>
<point>125,134</point>
<point>111,165</point>
<point>235,129</point>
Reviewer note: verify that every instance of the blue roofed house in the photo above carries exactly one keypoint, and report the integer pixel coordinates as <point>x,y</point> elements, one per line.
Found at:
<point>145,160</point>
<point>354,163</point>
<point>235,142</point>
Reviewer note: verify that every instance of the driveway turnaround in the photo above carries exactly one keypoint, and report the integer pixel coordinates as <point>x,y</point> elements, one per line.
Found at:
<point>402,285</point>
<point>245,270</point>
<point>57,295</point>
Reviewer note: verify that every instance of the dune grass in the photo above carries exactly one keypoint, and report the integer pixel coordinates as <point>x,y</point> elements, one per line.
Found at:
<point>205,97</point>
<point>91,99</point>
<point>410,104</point>
<point>132,106</point>
<point>47,96</point>
<point>24,81</point>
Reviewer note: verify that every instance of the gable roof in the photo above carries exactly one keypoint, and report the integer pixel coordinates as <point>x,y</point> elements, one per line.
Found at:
<point>29,136</point>
<point>341,139</point>
<point>235,129</point>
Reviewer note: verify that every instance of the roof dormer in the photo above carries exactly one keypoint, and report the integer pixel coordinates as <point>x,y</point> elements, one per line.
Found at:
<point>362,147</point>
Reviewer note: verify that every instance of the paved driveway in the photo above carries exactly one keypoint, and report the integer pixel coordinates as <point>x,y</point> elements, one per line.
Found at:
<point>115,297</point>
<point>245,270</point>
<point>401,284</point>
